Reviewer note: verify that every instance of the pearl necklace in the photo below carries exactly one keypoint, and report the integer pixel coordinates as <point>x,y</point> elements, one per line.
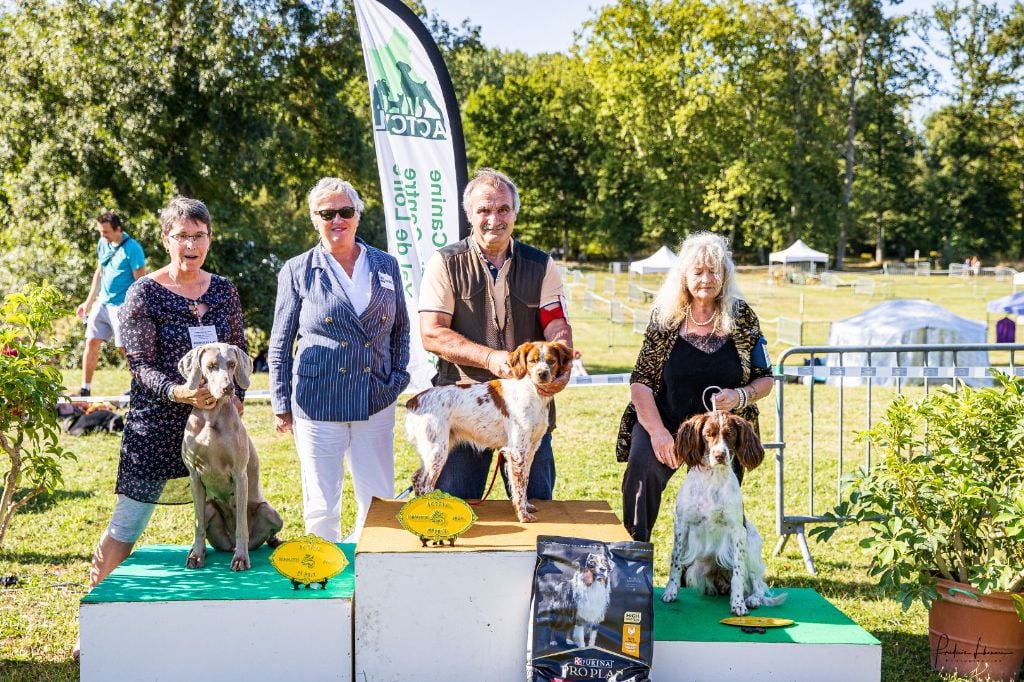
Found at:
<point>689,313</point>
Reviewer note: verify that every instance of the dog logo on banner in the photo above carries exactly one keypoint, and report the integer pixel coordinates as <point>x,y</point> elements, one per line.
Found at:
<point>402,101</point>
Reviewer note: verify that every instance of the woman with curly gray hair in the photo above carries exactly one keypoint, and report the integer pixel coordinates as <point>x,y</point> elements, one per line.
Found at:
<point>703,349</point>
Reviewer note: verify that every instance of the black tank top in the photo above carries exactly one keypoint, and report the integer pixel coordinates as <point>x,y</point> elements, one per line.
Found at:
<point>687,373</point>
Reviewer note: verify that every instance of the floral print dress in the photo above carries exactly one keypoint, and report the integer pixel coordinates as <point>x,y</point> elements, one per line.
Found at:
<point>154,323</point>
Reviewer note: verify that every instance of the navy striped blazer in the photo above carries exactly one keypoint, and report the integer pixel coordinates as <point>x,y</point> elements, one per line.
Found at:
<point>345,367</point>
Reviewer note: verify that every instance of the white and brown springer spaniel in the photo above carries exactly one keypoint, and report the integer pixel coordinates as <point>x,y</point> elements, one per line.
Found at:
<point>502,414</point>
<point>719,548</point>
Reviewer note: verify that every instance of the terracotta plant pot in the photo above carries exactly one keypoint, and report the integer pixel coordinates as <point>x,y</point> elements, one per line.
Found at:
<point>975,635</point>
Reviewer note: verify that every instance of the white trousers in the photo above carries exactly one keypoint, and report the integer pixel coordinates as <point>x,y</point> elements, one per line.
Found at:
<point>323,448</point>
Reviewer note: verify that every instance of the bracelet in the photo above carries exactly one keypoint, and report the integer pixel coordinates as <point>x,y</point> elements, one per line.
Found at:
<point>487,360</point>
<point>170,394</point>
<point>743,399</point>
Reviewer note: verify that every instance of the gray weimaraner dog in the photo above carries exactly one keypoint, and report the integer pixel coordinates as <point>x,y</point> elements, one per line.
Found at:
<point>224,470</point>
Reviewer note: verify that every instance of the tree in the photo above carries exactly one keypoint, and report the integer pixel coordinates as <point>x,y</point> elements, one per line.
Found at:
<point>121,105</point>
<point>972,206</point>
<point>539,127</point>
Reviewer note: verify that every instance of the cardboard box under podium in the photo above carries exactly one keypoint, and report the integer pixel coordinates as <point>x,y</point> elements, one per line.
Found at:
<point>153,619</point>
<point>457,613</point>
<point>823,644</point>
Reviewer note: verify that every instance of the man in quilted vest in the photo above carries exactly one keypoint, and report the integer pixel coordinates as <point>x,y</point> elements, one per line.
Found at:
<point>479,299</point>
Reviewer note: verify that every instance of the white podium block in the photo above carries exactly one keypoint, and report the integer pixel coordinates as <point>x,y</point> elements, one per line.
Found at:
<point>823,644</point>
<point>153,619</point>
<point>462,612</point>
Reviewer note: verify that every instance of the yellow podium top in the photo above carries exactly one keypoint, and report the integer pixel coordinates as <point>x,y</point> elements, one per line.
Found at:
<point>497,529</point>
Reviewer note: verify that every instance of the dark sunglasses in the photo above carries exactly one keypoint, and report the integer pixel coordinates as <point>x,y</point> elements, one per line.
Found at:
<point>345,212</point>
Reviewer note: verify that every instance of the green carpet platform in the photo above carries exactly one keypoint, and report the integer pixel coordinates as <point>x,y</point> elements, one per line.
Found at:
<point>455,613</point>
<point>154,619</point>
<point>823,644</point>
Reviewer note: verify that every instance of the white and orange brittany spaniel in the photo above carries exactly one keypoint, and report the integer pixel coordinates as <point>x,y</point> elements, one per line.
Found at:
<point>718,547</point>
<point>502,414</point>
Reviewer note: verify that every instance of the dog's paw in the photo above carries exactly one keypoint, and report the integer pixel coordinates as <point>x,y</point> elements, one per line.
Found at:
<point>739,608</point>
<point>671,590</point>
<point>526,517</point>
<point>531,507</point>
<point>754,601</point>
<point>240,562</point>
<point>195,560</point>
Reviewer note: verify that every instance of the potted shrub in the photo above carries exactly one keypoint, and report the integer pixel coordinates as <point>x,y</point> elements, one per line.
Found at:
<point>945,506</point>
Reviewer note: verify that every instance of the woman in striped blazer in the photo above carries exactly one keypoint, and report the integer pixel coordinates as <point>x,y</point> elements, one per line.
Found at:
<point>342,301</point>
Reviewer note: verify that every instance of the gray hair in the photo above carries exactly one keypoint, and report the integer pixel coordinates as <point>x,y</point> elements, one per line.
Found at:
<point>334,186</point>
<point>180,209</point>
<point>493,178</point>
<point>673,298</point>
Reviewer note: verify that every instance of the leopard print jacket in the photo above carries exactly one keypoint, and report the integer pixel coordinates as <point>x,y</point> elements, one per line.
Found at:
<point>657,346</point>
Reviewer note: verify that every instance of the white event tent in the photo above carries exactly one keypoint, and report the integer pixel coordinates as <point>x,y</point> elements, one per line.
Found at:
<point>661,260</point>
<point>798,252</point>
<point>903,322</point>
<point>1011,304</point>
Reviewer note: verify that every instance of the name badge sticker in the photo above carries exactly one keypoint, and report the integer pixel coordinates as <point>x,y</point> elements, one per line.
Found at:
<point>202,335</point>
<point>386,281</point>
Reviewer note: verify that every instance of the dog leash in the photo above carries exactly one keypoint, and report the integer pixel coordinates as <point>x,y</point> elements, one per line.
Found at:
<point>501,460</point>
<point>494,477</point>
<point>704,397</point>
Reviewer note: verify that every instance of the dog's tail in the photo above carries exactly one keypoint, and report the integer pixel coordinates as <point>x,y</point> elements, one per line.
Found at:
<point>774,599</point>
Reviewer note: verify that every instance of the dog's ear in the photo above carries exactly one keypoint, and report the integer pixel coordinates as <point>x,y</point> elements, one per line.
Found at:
<point>191,368</point>
<point>517,360</point>
<point>749,450</point>
<point>690,444</point>
<point>243,365</point>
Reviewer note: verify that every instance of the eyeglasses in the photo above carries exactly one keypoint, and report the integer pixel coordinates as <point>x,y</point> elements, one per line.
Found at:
<point>345,212</point>
<point>197,238</point>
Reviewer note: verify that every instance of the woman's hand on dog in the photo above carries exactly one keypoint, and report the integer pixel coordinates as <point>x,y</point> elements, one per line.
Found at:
<point>283,422</point>
<point>199,397</point>
<point>664,446</point>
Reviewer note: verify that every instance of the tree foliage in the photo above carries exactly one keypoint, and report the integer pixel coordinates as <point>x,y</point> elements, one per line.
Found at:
<point>765,120</point>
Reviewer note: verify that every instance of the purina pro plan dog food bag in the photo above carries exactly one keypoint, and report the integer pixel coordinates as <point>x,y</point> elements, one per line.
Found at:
<point>592,611</point>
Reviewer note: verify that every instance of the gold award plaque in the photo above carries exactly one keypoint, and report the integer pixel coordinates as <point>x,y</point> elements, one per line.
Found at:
<point>309,559</point>
<point>436,517</point>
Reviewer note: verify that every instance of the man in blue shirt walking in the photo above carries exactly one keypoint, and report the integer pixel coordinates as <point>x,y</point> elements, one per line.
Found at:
<point>121,262</point>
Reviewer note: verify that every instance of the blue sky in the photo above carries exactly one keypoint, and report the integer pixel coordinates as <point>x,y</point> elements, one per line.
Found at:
<point>535,26</point>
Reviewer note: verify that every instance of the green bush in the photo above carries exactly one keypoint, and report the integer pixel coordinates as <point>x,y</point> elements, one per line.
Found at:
<point>30,386</point>
<point>946,498</point>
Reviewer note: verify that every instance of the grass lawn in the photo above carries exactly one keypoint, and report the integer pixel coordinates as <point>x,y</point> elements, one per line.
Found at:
<point>50,542</point>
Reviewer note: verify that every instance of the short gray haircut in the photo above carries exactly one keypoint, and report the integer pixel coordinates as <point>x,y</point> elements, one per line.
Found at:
<point>673,298</point>
<point>493,178</point>
<point>180,209</point>
<point>333,186</point>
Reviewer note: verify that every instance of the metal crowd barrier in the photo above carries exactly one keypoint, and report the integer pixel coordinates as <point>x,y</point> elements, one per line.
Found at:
<point>838,370</point>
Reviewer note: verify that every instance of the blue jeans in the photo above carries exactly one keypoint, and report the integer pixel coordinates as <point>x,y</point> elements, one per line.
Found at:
<point>465,474</point>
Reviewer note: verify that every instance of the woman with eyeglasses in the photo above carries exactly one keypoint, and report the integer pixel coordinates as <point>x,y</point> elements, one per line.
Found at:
<point>165,314</point>
<point>342,300</point>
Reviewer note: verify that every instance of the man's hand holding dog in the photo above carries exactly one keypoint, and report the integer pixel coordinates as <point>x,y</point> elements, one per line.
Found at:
<point>555,385</point>
<point>497,364</point>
